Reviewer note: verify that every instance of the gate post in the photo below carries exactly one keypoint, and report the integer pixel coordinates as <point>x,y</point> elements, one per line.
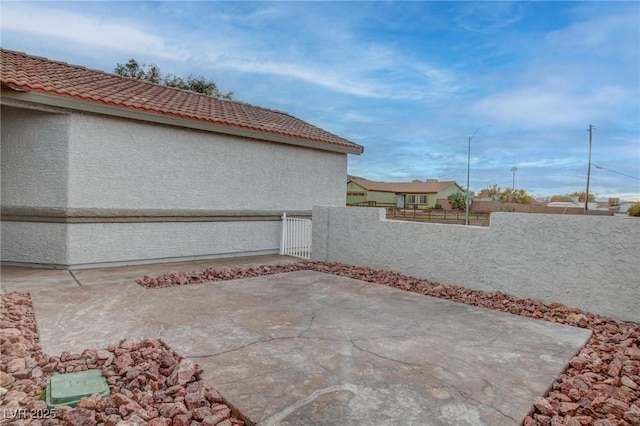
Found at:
<point>283,236</point>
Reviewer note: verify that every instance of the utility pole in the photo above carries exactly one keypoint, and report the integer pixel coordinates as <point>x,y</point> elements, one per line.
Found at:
<point>514,169</point>
<point>466,197</point>
<point>586,194</point>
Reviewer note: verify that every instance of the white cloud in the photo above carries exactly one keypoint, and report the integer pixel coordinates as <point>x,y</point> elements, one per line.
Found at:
<point>331,56</point>
<point>84,29</point>
<point>599,35</point>
<point>549,105</point>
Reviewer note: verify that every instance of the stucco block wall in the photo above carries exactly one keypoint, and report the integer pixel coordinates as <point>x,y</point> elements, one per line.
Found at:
<point>587,262</point>
<point>34,158</point>
<point>118,163</point>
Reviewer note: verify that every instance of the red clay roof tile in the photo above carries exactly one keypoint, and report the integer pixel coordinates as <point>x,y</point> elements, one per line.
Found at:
<point>23,72</point>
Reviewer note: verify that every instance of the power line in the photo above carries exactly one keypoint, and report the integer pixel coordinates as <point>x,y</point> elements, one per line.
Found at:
<point>614,171</point>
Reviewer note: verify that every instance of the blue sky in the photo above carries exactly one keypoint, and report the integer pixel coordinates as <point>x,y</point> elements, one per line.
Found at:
<point>411,81</point>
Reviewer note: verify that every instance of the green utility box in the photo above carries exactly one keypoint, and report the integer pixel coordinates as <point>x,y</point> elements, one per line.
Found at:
<point>69,388</point>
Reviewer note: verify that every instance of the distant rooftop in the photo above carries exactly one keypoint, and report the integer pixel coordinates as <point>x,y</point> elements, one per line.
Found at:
<point>429,187</point>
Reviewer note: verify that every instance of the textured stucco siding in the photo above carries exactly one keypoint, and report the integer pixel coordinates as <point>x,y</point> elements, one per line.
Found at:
<point>69,161</point>
<point>118,163</point>
<point>96,244</point>
<point>587,262</point>
<point>122,242</point>
<point>34,243</point>
<point>34,158</point>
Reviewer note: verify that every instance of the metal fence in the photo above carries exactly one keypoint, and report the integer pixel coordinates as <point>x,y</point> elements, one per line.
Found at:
<point>296,237</point>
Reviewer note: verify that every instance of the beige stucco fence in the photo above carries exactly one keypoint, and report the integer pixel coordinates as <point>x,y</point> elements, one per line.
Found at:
<point>586,262</point>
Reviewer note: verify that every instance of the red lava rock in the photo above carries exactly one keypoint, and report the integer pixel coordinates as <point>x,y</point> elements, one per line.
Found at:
<point>80,417</point>
<point>214,419</point>
<point>543,406</point>
<point>183,373</point>
<point>579,362</point>
<point>201,413</point>
<point>159,421</point>
<point>628,382</point>
<point>87,403</point>
<point>181,420</point>
<point>212,395</point>
<point>615,407</point>
<point>568,408</point>
<point>6,379</point>
<point>633,416</point>
<point>122,363</point>
<point>178,408</point>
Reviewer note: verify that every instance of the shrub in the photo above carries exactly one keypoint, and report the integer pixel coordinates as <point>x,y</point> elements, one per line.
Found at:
<point>634,210</point>
<point>457,201</point>
<point>438,206</point>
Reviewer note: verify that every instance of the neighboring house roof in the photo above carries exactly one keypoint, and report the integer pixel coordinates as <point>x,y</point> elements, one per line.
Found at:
<point>24,73</point>
<point>429,187</point>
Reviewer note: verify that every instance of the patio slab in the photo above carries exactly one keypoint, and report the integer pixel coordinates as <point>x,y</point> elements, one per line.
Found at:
<point>26,280</point>
<point>312,348</point>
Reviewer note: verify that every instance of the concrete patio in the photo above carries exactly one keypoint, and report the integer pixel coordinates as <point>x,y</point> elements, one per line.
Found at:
<point>312,348</point>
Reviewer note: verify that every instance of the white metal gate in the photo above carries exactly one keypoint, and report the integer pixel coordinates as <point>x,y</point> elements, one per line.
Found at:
<point>296,237</point>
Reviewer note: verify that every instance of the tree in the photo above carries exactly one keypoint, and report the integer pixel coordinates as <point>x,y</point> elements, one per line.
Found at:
<point>518,196</point>
<point>152,73</point>
<point>198,84</point>
<point>506,195</point>
<point>133,69</point>
<point>581,194</point>
<point>490,191</point>
<point>457,201</point>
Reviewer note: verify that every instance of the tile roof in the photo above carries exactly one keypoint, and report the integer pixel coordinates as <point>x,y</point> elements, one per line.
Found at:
<point>23,72</point>
<point>430,187</point>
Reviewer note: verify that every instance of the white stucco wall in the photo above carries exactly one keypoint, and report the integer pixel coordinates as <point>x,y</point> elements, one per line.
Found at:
<point>102,244</point>
<point>70,160</point>
<point>587,262</point>
<point>121,242</point>
<point>34,158</point>
<point>118,163</point>
<point>34,243</point>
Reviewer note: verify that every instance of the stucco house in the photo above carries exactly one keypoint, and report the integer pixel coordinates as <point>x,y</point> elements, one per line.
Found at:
<point>420,195</point>
<point>101,169</point>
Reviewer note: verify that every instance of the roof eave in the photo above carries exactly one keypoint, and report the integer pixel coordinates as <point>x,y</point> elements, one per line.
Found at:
<point>10,93</point>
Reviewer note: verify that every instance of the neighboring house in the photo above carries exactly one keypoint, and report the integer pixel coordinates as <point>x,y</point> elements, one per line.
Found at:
<point>103,169</point>
<point>421,195</point>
